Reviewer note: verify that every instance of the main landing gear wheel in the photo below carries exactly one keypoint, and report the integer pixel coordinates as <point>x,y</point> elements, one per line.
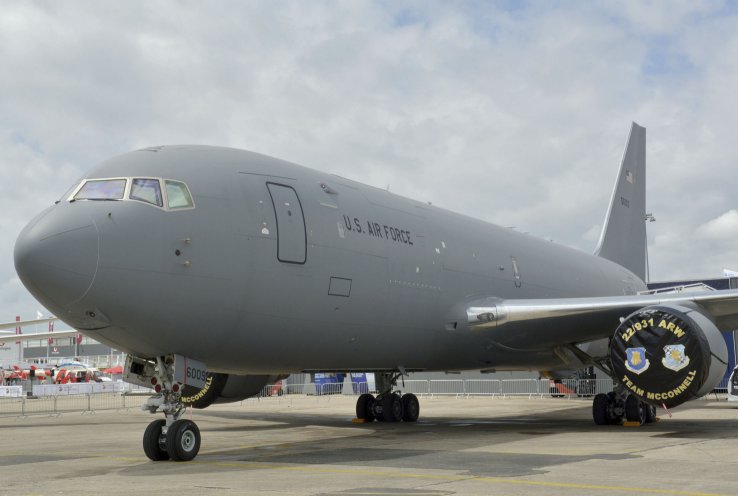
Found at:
<point>607,409</point>
<point>601,410</point>
<point>392,408</point>
<point>387,406</point>
<point>635,410</point>
<point>365,407</point>
<point>152,441</point>
<point>183,440</point>
<point>616,406</point>
<point>410,408</point>
<point>650,413</point>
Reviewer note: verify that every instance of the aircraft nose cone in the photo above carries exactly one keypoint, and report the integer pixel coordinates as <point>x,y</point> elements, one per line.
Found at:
<point>56,256</point>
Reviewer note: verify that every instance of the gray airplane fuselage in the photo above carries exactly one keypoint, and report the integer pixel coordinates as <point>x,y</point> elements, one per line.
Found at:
<point>280,268</point>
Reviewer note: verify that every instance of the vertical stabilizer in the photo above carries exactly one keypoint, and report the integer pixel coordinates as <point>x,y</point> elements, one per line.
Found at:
<point>623,238</point>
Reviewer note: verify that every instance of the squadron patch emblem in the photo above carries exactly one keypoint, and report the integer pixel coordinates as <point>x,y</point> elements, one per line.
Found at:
<point>674,357</point>
<point>636,360</point>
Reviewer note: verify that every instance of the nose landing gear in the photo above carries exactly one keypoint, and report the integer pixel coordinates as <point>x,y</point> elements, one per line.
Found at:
<point>172,438</point>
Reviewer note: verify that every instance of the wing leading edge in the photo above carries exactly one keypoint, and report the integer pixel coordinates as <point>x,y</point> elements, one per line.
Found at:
<point>545,322</point>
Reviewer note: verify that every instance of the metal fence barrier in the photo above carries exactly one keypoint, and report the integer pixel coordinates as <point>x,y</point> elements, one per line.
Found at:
<point>417,387</point>
<point>567,388</point>
<point>125,396</point>
<point>454,387</point>
<point>483,387</point>
<point>56,405</point>
<point>446,387</point>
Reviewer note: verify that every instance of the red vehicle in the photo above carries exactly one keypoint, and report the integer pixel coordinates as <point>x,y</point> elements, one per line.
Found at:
<point>275,389</point>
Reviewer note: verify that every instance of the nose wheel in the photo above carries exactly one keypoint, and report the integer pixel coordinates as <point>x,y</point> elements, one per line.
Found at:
<point>179,442</point>
<point>154,444</point>
<point>183,440</point>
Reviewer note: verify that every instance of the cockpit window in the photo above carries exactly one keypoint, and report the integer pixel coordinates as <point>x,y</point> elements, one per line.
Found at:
<point>166,194</point>
<point>146,190</point>
<point>178,196</point>
<point>102,189</point>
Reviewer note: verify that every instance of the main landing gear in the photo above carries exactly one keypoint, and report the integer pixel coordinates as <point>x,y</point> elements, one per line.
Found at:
<point>387,406</point>
<point>172,438</point>
<point>619,405</point>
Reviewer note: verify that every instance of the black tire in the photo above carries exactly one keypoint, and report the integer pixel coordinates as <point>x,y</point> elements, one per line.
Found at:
<point>650,413</point>
<point>379,405</point>
<point>410,408</point>
<point>371,403</point>
<point>392,408</point>
<point>183,440</point>
<point>616,417</point>
<point>600,410</point>
<point>151,441</point>
<point>365,407</point>
<point>634,410</point>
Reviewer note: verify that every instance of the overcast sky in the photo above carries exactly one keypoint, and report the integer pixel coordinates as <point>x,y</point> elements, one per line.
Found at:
<point>513,112</point>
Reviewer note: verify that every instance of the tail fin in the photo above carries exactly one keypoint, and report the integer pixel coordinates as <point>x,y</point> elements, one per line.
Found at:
<point>623,238</point>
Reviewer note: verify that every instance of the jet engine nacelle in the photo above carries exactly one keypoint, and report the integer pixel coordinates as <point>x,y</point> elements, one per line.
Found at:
<point>226,388</point>
<point>668,354</point>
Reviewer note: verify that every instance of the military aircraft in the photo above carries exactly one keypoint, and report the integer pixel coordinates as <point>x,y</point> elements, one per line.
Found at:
<point>220,270</point>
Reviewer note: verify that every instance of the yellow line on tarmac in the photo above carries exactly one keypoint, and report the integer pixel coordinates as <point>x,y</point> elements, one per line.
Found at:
<point>454,478</point>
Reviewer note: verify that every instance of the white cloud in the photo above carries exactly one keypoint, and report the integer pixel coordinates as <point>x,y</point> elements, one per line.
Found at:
<point>722,228</point>
<point>517,116</point>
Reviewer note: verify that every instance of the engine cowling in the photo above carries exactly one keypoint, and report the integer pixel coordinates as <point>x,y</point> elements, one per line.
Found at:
<point>668,354</point>
<point>226,388</point>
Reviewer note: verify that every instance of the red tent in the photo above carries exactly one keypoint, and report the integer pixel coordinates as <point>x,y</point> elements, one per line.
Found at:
<point>118,369</point>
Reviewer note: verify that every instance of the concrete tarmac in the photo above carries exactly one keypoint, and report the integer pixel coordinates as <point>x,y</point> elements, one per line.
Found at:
<point>309,446</point>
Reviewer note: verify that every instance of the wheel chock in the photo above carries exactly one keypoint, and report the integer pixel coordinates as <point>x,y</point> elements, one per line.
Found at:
<point>358,421</point>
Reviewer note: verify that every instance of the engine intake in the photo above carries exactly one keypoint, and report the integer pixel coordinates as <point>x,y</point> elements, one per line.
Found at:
<point>668,354</point>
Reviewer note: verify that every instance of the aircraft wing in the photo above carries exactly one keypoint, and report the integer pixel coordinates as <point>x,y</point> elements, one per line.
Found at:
<point>26,323</point>
<point>518,323</point>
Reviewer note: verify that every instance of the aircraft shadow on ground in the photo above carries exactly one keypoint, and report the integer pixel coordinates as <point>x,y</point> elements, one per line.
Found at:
<point>446,443</point>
